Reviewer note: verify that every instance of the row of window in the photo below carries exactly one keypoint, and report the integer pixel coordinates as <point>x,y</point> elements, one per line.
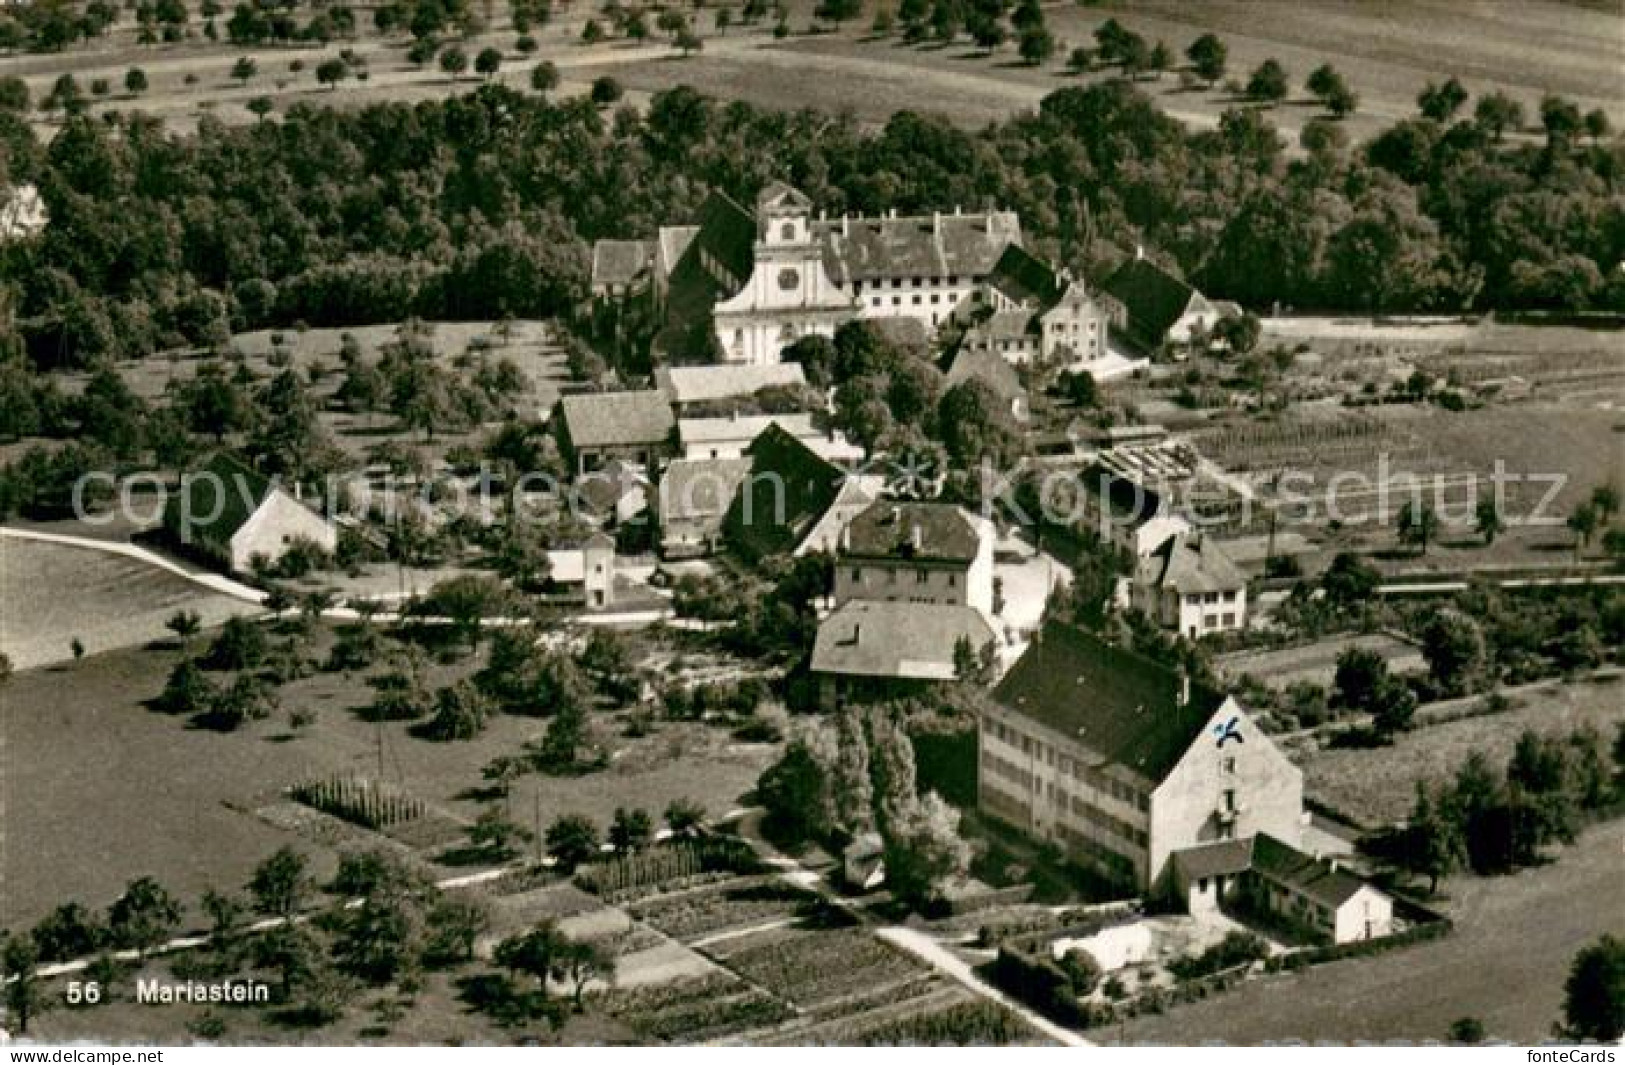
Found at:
<point>921,576</point>
<point>897,301</point>
<point>1078,770</point>
<point>1117,827</point>
<point>917,282</point>
<point>1119,864</point>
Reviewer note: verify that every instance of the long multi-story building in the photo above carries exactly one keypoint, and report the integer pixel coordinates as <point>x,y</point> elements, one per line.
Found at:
<point>1121,763</point>
<point>766,278</point>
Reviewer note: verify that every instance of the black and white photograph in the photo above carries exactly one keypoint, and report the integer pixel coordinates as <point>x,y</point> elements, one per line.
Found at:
<point>811,523</point>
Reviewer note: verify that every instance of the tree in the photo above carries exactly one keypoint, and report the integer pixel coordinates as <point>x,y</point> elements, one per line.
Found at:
<point>1432,844</point>
<point>1497,112</point>
<point>1597,125</point>
<point>453,925</point>
<point>244,70</point>
<point>185,624</point>
<point>70,931</point>
<point>795,792</point>
<point>260,106</point>
<point>605,91</point>
<point>592,32</point>
<point>976,425</point>
<point>1468,1031</point>
<point>1453,644</point>
<point>1594,994</point>
<point>13,94</point>
<point>330,72</point>
<point>24,997</point>
<point>1417,524</point>
<point>290,952</point>
<point>1487,515</point>
<point>488,62</point>
<point>1268,83</point>
<point>923,849</point>
<point>1037,45</point>
<point>1561,119</point>
<point>544,76</point>
<point>1584,522</point>
<point>534,953</point>
<point>1239,332</point>
<point>213,403</point>
<point>1441,102</point>
<point>685,816</point>
<point>135,81</point>
<point>1342,102</point>
<point>688,42</point>
<point>1208,56</point>
<point>837,11</point>
<point>630,830</point>
<point>225,914</point>
<point>280,883</point>
<point>378,941</point>
<point>460,713</point>
<point>1323,81</point>
<point>496,834</point>
<point>1360,675</point>
<point>580,962</point>
<point>572,839</point>
<point>144,916</point>
<point>453,61</point>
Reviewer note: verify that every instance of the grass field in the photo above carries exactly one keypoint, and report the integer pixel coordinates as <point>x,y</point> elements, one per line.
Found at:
<point>98,789</point>
<point>53,594</point>
<point>1387,51</point>
<point>1505,964</point>
<point>1379,784</point>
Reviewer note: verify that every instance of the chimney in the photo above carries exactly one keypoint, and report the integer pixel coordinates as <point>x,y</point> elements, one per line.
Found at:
<point>936,221</point>
<point>989,223</point>
<point>917,537</point>
<point>1184,688</point>
<point>956,210</point>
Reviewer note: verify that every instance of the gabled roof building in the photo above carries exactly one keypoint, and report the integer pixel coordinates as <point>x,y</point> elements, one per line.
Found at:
<point>234,516</point>
<point>1121,762</point>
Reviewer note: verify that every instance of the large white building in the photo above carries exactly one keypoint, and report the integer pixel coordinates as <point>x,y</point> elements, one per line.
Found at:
<point>1121,764</point>
<point>766,278</point>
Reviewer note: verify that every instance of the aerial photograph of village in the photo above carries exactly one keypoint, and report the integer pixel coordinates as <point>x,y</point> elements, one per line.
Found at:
<point>1009,523</point>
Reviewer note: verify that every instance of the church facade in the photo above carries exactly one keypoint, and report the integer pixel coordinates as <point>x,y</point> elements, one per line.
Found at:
<point>763,279</point>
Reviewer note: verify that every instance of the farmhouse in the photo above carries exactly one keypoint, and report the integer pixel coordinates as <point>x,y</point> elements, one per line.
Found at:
<point>1190,585</point>
<point>237,518</point>
<point>981,363</point>
<point>694,498</point>
<point>692,389</point>
<point>916,553</point>
<point>585,574</point>
<point>767,277</point>
<point>885,650</point>
<point>595,427</point>
<point>1121,762</point>
<point>1159,308</point>
<point>728,437</point>
<point>1127,513</point>
<point>783,499</point>
<point>1263,876</point>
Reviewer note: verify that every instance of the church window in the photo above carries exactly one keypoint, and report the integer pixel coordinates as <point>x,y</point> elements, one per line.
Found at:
<point>787,231</point>
<point>789,279</point>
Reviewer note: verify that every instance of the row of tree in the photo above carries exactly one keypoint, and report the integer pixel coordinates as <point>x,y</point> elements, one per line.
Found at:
<point>1496,822</point>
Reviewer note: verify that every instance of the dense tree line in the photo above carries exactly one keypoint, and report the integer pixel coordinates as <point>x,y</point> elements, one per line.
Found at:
<point>484,205</point>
